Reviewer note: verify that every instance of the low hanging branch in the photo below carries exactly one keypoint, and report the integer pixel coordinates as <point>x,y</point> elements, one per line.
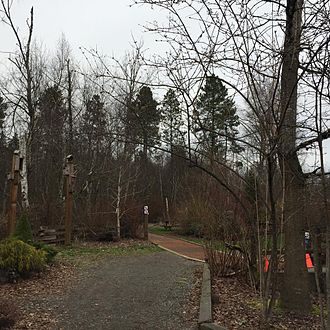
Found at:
<point>322,136</point>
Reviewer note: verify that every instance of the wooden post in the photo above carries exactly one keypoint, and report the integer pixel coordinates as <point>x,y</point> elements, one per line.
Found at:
<point>69,181</point>
<point>14,179</point>
<point>167,211</point>
<point>145,223</point>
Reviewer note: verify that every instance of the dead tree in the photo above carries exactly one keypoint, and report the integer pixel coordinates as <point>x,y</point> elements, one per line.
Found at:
<point>22,91</point>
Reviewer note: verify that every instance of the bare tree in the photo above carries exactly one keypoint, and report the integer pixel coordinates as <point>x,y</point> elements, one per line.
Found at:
<point>23,90</point>
<point>242,42</point>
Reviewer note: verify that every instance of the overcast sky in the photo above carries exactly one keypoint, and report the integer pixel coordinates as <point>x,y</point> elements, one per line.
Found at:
<point>106,24</point>
<point>109,25</point>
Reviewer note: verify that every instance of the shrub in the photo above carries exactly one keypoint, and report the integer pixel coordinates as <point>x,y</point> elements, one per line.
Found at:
<point>50,251</point>
<point>20,257</point>
<point>23,229</point>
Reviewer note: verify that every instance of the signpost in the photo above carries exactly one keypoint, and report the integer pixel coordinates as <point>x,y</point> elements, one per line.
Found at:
<point>146,220</point>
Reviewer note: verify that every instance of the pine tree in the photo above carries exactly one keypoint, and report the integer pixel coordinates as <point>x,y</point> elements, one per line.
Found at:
<point>94,125</point>
<point>50,125</point>
<point>173,136</point>
<point>48,152</point>
<point>217,121</point>
<point>171,116</point>
<point>23,229</point>
<point>52,115</point>
<point>93,150</point>
<point>143,119</point>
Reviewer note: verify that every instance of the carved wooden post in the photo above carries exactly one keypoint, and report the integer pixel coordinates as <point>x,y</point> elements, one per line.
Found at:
<point>14,179</point>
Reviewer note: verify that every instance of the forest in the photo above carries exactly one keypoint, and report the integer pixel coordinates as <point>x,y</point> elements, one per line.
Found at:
<point>223,137</point>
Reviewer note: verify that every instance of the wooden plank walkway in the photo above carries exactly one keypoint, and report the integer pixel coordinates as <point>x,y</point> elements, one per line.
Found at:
<point>180,247</point>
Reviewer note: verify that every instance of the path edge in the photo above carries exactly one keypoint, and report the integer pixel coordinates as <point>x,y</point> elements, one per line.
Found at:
<point>205,320</point>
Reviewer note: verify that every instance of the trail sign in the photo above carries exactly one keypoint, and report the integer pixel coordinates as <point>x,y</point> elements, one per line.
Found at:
<point>146,210</point>
<point>146,221</point>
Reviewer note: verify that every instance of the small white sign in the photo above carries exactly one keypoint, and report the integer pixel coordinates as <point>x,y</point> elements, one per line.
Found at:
<point>145,210</point>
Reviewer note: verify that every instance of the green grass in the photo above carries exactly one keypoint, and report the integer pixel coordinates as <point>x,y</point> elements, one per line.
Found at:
<point>316,310</point>
<point>257,305</point>
<point>159,230</point>
<point>82,254</point>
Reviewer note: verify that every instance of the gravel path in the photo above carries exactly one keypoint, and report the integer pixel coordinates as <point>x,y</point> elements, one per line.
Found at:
<point>133,292</point>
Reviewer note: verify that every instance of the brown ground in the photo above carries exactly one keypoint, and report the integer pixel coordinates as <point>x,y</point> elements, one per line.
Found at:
<point>239,307</point>
<point>54,281</point>
<point>61,297</point>
<point>190,250</point>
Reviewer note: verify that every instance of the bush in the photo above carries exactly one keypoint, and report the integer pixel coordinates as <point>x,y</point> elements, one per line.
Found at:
<point>20,257</point>
<point>23,229</point>
<point>50,251</point>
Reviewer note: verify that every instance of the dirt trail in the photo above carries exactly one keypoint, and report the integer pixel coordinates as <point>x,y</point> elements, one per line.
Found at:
<point>190,250</point>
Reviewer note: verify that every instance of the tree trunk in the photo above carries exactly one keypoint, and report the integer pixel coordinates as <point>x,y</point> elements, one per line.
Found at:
<point>295,291</point>
<point>70,142</point>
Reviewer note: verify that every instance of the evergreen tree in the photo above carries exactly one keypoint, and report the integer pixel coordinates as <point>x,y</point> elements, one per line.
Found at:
<point>23,230</point>
<point>48,153</point>
<point>217,120</point>
<point>143,119</point>
<point>52,115</point>
<point>173,136</point>
<point>50,125</point>
<point>171,115</point>
<point>93,148</point>
<point>94,125</point>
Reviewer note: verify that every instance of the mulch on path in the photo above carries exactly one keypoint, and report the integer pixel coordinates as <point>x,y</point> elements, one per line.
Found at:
<point>55,280</point>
